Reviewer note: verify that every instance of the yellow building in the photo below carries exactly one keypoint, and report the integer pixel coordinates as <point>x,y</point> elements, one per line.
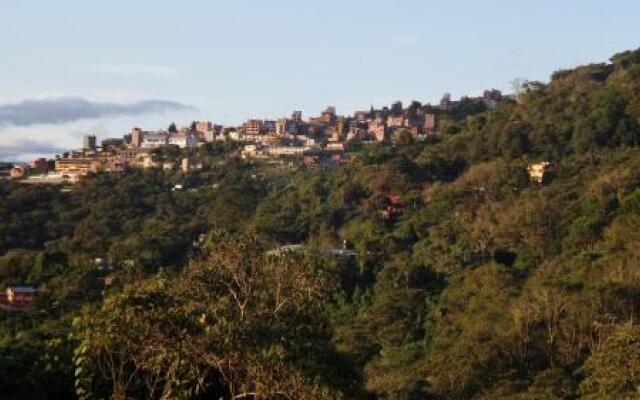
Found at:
<point>78,166</point>
<point>538,171</point>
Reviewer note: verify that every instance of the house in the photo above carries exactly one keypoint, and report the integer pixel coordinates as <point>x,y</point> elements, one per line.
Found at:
<point>203,126</point>
<point>40,164</point>
<point>154,140</point>
<point>378,129</point>
<point>77,166</point>
<point>288,150</point>
<point>20,296</point>
<point>430,123</point>
<point>396,121</point>
<point>393,207</point>
<point>253,127</point>
<point>111,144</point>
<point>335,146</point>
<point>538,171</point>
<point>286,249</point>
<point>190,165</point>
<point>183,141</point>
<point>144,160</point>
<point>19,171</point>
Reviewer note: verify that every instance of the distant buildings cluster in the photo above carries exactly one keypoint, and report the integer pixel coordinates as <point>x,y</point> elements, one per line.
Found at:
<point>288,137</point>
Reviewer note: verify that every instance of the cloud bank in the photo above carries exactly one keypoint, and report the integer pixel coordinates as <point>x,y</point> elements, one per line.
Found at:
<point>62,110</point>
<point>22,149</point>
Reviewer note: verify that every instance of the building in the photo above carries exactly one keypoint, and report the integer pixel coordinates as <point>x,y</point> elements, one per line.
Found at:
<point>89,142</point>
<point>296,116</point>
<point>335,146</point>
<point>129,155</point>
<point>144,160</point>
<point>430,123</point>
<point>40,164</point>
<point>20,296</point>
<point>19,171</point>
<point>253,127</point>
<point>209,136</point>
<point>78,166</point>
<point>378,129</point>
<point>288,150</point>
<point>154,140</point>
<point>137,136</point>
<point>203,126</point>
<point>539,171</point>
<point>269,126</point>
<point>282,126</point>
<point>328,117</point>
<point>183,141</point>
<point>361,116</point>
<point>111,144</point>
<point>445,100</point>
<point>396,121</point>
<point>187,165</point>
<point>233,134</point>
<point>492,97</point>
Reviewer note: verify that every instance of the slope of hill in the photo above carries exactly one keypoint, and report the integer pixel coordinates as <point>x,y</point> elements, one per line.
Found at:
<point>466,279</point>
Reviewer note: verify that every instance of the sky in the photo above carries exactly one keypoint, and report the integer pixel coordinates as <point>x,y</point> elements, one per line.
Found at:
<point>75,67</point>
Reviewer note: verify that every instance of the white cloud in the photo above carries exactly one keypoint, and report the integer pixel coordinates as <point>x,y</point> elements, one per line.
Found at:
<point>23,143</point>
<point>68,109</point>
<point>150,70</point>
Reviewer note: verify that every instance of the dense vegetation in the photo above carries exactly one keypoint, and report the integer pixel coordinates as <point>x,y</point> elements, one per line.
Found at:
<point>477,284</point>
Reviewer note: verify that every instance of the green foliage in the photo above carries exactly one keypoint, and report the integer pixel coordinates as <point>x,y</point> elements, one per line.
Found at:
<point>613,371</point>
<point>427,270</point>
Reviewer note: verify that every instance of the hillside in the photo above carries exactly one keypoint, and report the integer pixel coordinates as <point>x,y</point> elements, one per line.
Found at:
<point>427,270</point>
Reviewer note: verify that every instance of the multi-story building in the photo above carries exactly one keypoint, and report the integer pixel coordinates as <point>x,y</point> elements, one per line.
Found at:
<point>335,146</point>
<point>129,155</point>
<point>491,98</point>
<point>282,125</point>
<point>378,129</point>
<point>78,166</point>
<point>111,143</point>
<point>154,140</point>
<point>89,142</point>
<point>269,126</point>
<point>396,121</point>
<point>329,115</point>
<point>215,133</point>
<point>430,123</point>
<point>361,116</point>
<point>296,116</point>
<point>203,126</point>
<point>253,127</point>
<point>40,164</point>
<point>19,171</point>
<point>183,141</point>
<point>137,136</point>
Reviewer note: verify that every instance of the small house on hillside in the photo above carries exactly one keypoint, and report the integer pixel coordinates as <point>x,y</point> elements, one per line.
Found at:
<point>393,206</point>
<point>20,296</point>
<point>538,171</point>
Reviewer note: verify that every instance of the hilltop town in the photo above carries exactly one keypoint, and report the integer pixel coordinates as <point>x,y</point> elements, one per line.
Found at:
<point>326,138</point>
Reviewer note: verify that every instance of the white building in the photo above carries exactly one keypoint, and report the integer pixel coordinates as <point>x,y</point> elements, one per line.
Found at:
<point>154,140</point>
<point>289,150</point>
<point>183,141</point>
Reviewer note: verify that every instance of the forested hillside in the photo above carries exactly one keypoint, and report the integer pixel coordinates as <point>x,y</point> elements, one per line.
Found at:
<point>429,270</point>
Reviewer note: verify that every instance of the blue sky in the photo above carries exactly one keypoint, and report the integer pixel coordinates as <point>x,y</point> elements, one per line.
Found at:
<point>246,58</point>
